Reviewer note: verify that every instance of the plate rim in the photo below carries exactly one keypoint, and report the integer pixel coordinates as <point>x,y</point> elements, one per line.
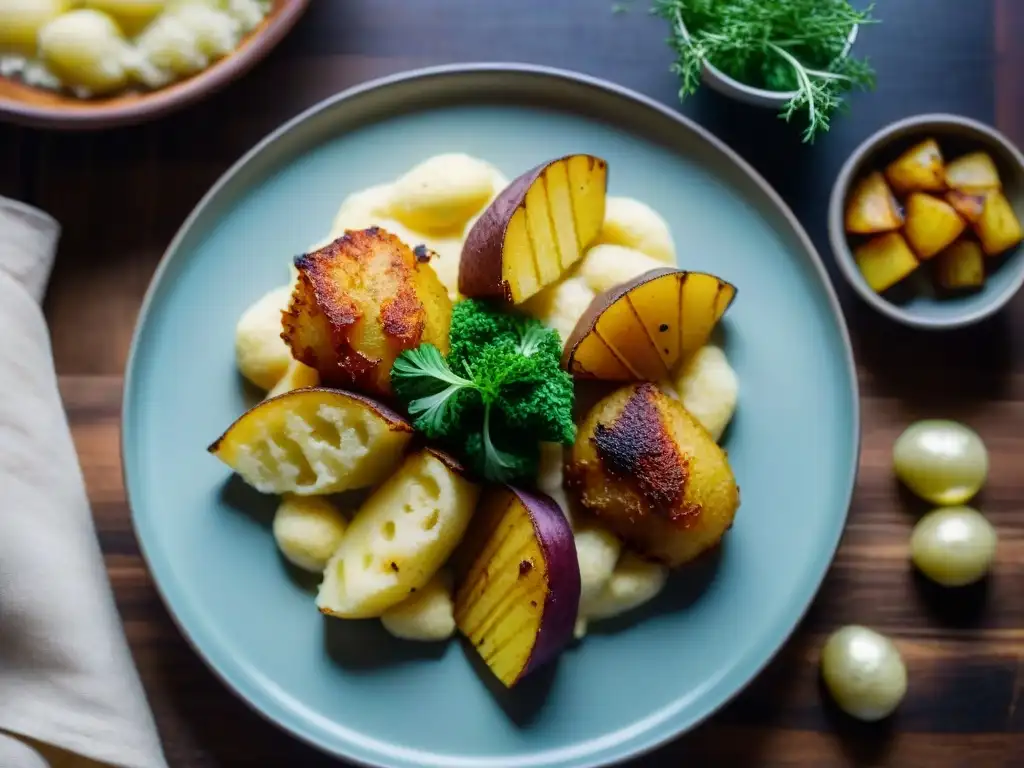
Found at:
<point>669,731</point>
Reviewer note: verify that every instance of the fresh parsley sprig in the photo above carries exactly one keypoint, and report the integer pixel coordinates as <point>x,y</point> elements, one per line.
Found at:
<point>781,45</point>
<point>498,395</point>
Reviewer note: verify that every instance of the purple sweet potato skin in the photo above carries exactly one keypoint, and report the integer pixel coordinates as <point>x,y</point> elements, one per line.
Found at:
<point>480,264</point>
<point>562,603</point>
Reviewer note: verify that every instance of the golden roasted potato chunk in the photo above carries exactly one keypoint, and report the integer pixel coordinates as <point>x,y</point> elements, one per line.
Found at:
<point>653,475</point>
<point>872,207</point>
<point>919,169</point>
<point>932,224</point>
<point>885,260</point>
<point>998,227</point>
<point>960,266</point>
<point>360,302</point>
<point>974,172</point>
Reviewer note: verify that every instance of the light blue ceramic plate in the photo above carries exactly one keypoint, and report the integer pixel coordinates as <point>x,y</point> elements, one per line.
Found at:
<point>347,687</point>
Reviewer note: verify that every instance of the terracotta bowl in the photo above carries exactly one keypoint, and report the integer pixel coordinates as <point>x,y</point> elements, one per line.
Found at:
<point>23,104</point>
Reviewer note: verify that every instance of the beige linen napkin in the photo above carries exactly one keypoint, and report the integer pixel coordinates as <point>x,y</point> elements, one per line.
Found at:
<point>69,694</point>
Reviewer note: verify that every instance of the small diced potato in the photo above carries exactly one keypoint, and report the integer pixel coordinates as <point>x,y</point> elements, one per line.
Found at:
<point>932,224</point>
<point>960,266</point>
<point>967,204</point>
<point>975,172</point>
<point>919,169</point>
<point>885,260</point>
<point>998,228</point>
<point>872,207</point>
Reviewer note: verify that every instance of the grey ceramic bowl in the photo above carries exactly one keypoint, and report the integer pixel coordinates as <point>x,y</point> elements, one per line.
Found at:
<point>717,80</point>
<point>914,301</point>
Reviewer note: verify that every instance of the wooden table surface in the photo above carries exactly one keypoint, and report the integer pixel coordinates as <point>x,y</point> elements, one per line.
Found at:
<point>122,194</point>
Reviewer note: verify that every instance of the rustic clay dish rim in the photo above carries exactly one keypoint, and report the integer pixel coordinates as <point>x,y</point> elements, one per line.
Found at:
<point>654,739</point>
<point>79,114</point>
<point>984,135</point>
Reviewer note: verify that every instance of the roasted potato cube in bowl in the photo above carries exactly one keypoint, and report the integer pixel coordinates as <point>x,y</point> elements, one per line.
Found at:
<point>956,181</point>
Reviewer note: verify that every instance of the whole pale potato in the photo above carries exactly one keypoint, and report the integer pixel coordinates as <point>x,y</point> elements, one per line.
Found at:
<point>85,49</point>
<point>262,356</point>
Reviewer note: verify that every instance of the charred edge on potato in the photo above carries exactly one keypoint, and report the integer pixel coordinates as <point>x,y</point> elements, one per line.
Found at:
<point>320,296</point>
<point>637,448</point>
<point>395,421</point>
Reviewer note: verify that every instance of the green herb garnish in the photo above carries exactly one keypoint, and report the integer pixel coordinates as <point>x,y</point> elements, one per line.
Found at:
<point>780,45</point>
<point>500,393</point>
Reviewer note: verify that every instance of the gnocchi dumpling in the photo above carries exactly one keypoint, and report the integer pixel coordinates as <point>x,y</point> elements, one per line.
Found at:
<point>597,551</point>
<point>363,209</point>
<point>427,615</point>
<point>21,21</point>
<point>560,306</point>
<point>709,389</point>
<point>634,582</point>
<point>297,376</point>
<point>262,355</point>
<point>400,537</point>
<point>605,266</point>
<point>86,49</point>
<point>442,193</point>
<point>308,530</point>
<point>633,224</point>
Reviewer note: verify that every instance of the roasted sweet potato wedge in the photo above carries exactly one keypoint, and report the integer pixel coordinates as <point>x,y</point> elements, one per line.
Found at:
<point>643,329</point>
<point>535,230</point>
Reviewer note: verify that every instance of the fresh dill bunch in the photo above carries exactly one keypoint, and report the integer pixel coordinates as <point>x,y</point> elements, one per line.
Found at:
<point>500,392</point>
<point>780,45</point>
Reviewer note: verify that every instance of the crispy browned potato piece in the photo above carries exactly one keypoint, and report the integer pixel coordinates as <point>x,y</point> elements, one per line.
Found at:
<point>960,266</point>
<point>998,228</point>
<point>872,207</point>
<point>932,224</point>
<point>885,260</point>
<point>650,472</point>
<point>358,303</point>
<point>919,169</point>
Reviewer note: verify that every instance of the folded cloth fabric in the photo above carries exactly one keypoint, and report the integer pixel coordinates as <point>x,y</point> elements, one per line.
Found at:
<point>69,693</point>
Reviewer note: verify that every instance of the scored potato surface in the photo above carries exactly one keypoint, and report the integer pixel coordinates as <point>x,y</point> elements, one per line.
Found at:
<point>400,537</point>
<point>314,441</point>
